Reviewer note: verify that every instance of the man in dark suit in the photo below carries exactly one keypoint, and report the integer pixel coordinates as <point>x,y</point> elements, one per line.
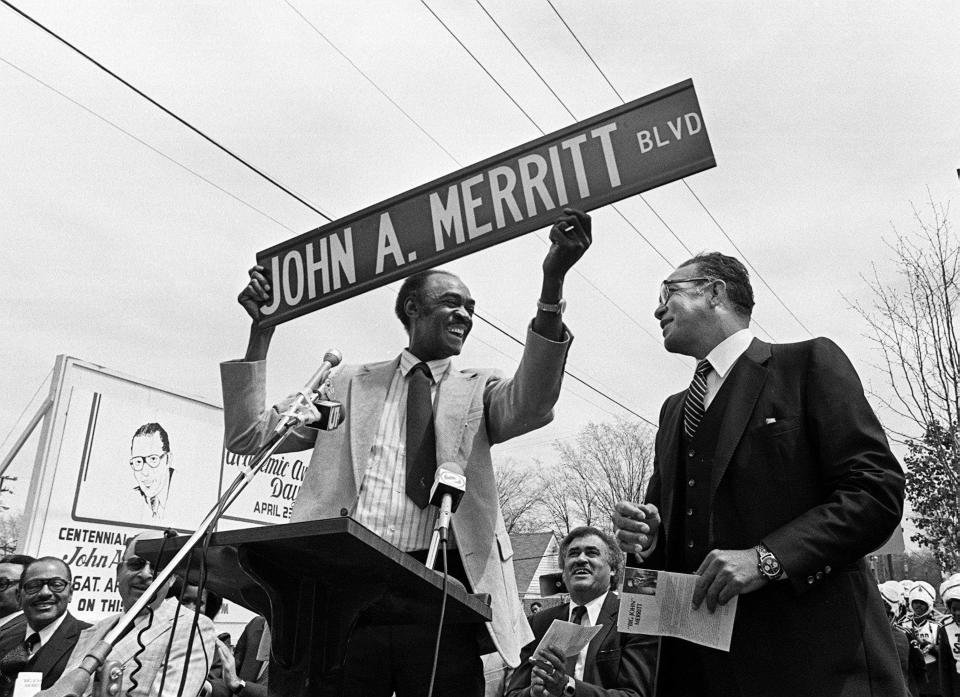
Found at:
<point>612,664</point>
<point>772,479</point>
<point>50,632</point>
<point>11,616</point>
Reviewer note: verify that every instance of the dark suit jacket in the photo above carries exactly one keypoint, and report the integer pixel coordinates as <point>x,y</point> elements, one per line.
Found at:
<point>617,665</point>
<point>12,633</point>
<point>51,659</point>
<point>820,487</point>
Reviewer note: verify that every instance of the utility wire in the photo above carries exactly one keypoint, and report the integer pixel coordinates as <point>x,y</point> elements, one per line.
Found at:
<point>369,80</point>
<point>575,38</point>
<point>167,111</point>
<point>752,267</point>
<point>146,144</point>
<point>685,183</point>
<point>582,382</point>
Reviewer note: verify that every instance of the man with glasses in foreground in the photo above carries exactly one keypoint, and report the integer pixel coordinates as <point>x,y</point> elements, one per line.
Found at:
<point>772,479</point>
<point>151,465</point>
<point>50,633</point>
<point>158,668</point>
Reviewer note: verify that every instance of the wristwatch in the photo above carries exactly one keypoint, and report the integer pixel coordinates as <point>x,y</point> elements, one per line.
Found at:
<point>570,689</point>
<point>556,308</point>
<point>240,687</point>
<point>768,564</point>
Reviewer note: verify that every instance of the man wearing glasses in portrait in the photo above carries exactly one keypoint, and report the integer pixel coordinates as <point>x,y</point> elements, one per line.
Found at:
<point>152,467</point>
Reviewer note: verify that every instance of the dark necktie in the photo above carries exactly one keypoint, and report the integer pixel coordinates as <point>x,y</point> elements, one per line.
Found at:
<point>693,404</point>
<point>421,438</point>
<point>18,657</point>
<point>571,665</point>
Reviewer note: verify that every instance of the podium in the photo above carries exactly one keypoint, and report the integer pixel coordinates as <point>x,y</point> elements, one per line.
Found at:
<point>311,581</point>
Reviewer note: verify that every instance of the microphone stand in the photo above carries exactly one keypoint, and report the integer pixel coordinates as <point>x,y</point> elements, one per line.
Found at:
<point>74,682</point>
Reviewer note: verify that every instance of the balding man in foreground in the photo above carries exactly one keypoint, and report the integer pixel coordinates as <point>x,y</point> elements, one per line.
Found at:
<point>152,671</point>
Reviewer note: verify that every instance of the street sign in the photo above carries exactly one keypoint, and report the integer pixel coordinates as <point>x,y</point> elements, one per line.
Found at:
<point>638,146</point>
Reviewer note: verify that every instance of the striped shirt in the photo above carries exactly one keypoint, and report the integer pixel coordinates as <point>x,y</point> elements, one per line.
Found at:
<point>382,504</point>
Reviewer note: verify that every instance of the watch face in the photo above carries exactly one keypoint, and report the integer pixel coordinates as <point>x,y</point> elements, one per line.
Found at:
<point>769,565</point>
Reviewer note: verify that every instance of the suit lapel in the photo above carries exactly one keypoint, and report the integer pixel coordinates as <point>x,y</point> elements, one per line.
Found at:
<point>60,643</point>
<point>455,394</point>
<point>669,437</point>
<point>746,380</point>
<point>368,392</point>
<point>608,618</point>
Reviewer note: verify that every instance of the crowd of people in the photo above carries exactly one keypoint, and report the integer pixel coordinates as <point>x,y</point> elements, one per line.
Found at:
<point>928,641</point>
<point>170,649</point>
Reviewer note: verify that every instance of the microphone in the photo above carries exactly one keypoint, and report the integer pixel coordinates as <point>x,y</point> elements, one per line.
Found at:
<point>331,359</point>
<point>302,409</point>
<point>446,493</point>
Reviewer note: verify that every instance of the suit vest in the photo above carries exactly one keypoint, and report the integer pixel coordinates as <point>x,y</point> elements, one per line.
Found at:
<point>695,469</point>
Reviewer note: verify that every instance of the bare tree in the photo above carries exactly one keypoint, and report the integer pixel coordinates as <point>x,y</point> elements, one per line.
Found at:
<point>519,497</point>
<point>913,324</point>
<point>606,463</point>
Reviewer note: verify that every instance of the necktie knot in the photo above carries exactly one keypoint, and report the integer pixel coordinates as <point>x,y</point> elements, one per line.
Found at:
<point>578,612</point>
<point>32,642</point>
<point>703,367</point>
<point>420,371</point>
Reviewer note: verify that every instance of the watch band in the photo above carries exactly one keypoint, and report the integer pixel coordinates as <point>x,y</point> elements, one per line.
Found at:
<point>556,308</point>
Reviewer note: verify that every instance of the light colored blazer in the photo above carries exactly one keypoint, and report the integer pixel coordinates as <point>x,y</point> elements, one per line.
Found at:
<point>475,409</point>
<point>154,660</point>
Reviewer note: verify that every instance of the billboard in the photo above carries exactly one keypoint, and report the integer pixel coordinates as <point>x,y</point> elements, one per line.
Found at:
<point>118,455</point>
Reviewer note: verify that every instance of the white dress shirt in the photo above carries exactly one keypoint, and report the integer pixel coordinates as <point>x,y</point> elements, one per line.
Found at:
<point>722,358</point>
<point>383,504</point>
<point>589,620</point>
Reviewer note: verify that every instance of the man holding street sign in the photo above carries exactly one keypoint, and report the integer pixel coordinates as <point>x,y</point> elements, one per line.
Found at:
<point>375,470</point>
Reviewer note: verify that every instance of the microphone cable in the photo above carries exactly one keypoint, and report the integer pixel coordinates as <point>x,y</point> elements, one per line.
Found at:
<point>141,647</point>
<point>443,611</point>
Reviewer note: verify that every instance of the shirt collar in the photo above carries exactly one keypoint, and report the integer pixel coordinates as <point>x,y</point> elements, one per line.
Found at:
<point>46,632</point>
<point>438,368</point>
<point>593,607</point>
<point>726,353</point>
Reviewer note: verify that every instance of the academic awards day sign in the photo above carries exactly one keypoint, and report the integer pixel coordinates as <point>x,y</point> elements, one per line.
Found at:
<point>641,145</point>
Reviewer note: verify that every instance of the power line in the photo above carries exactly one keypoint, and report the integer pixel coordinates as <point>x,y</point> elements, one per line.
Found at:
<point>370,80</point>
<point>167,111</point>
<point>567,372</point>
<point>752,267</point>
<point>689,188</point>
<point>575,38</point>
<point>146,144</point>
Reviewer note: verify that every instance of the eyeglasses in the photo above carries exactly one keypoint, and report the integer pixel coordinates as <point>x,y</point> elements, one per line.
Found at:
<point>7,582</point>
<point>667,288</point>
<point>135,563</point>
<point>150,460</point>
<point>34,585</point>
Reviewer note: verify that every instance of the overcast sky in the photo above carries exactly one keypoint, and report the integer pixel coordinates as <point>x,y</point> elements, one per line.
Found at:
<point>127,237</point>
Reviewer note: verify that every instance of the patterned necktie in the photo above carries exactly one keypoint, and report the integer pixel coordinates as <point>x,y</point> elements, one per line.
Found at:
<point>693,404</point>
<point>571,665</point>
<point>421,438</point>
<point>18,657</point>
